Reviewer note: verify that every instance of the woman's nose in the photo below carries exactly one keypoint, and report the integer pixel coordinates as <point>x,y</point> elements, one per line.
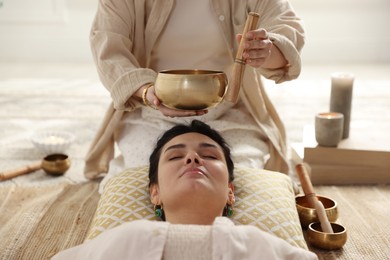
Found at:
<point>192,158</point>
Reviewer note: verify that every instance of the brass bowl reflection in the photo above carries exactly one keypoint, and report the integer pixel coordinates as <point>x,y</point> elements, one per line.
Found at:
<point>329,241</point>
<point>191,89</point>
<point>308,215</point>
<point>56,164</point>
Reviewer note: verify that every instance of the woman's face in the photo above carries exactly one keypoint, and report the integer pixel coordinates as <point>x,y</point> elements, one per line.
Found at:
<point>192,169</point>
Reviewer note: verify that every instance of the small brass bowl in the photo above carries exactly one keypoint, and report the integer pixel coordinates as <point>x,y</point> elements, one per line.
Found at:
<point>328,241</point>
<point>191,89</point>
<point>308,215</point>
<point>56,164</point>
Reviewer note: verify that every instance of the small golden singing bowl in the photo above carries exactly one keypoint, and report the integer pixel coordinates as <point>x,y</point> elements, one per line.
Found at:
<point>56,164</point>
<point>308,215</point>
<point>328,241</point>
<point>191,89</point>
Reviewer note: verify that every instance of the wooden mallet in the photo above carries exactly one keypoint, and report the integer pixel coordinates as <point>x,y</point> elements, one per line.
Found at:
<point>239,62</point>
<point>312,198</point>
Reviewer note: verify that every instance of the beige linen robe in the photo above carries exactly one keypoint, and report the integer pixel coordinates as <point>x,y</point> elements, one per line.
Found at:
<point>143,239</point>
<point>122,45</point>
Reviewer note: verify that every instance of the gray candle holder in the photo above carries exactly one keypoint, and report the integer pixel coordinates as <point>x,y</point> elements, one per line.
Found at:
<point>329,128</point>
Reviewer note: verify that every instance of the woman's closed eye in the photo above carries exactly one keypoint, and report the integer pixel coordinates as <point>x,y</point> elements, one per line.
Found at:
<point>175,157</point>
<point>175,154</point>
<point>210,157</point>
<point>210,153</point>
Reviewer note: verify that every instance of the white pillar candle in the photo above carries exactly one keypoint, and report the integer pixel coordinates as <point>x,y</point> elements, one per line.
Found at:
<point>341,97</point>
<point>329,128</point>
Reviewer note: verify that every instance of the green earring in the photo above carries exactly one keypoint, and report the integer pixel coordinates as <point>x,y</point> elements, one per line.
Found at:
<point>158,211</point>
<point>228,210</point>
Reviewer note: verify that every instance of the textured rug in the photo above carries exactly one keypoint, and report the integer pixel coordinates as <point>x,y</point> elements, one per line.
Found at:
<point>364,211</point>
<point>41,215</point>
<point>38,222</point>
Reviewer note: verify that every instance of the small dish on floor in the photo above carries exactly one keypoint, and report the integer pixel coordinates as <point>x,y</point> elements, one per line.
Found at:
<point>52,142</point>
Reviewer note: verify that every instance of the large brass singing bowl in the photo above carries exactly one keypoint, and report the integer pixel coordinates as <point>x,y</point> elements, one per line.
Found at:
<point>191,89</point>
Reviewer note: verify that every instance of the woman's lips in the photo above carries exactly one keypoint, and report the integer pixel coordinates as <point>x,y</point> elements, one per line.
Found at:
<point>199,170</point>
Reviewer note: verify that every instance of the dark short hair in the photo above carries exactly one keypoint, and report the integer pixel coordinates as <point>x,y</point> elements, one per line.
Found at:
<point>195,126</point>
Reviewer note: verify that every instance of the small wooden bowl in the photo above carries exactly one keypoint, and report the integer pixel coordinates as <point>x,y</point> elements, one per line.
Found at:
<point>328,241</point>
<point>191,89</point>
<point>56,164</point>
<point>308,215</point>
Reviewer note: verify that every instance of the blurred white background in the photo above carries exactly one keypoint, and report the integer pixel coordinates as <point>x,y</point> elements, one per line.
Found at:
<point>338,31</point>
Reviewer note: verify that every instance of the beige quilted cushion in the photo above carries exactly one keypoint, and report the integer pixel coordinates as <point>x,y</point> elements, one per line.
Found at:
<point>263,198</point>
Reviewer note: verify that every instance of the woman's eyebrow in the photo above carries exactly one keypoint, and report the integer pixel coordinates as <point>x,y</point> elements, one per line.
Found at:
<point>175,146</point>
<point>208,145</point>
<point>202,145</point>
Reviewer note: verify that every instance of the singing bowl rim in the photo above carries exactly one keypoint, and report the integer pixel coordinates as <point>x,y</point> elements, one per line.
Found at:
<point>298,198</point>
<point>190,72</point>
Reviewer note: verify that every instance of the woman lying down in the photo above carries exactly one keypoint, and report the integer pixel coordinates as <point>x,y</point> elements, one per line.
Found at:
<point>191,186</point>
